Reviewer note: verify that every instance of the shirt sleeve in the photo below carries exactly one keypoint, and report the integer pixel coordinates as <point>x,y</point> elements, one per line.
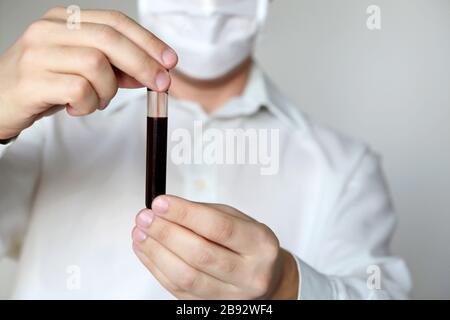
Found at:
<point>3,148</point>
<point>19,172</point>
<point>354,261</point>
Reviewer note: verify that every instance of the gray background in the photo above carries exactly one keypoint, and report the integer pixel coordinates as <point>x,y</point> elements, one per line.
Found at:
<point>389,87</point>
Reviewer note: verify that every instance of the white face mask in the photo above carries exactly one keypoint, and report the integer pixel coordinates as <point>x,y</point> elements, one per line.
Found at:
<point>211,37</point>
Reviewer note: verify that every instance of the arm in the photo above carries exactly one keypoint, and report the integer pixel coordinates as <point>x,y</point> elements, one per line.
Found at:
<point>19,173</point>
<point>355,262</point>
<point>51,68</point>
<point>210,251</point>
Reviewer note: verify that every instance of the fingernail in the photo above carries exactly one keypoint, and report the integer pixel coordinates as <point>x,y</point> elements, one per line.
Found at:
<point>169,57</point>
<point>144,219</point>
<point>139,235</point>
<point>160,205</point>
<point>162,80</point>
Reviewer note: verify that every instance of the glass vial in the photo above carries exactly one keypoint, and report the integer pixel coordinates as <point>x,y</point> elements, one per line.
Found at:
<point>156,165</point>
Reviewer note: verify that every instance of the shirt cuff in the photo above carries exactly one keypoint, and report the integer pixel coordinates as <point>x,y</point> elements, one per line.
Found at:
<point>3,147</point>
<point>312,284</point>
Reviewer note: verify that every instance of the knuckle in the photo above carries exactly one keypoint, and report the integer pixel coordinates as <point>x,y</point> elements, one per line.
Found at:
<point>148,66</point>
<point>163,233</point>
<point>261,285</point>
<point>28,56</point>
<point>188,280</point>
<point>95,60</point>
<point>172,287</point>
<point>145,69</point>
<point>226,208</point>
<point>79,91</point>
<point>228,266</point>
<point>111,93</point>
<point>117,17</point>
<point>96,63</point>
<point>114,90</point>
<point>83,112</point>
<point>268,241</point>
<point>155,40</point>
<point>107,34</point>
<point>273,249</point>
<point>182,214</point>
<point>35,31</point>
<point>55,11</point>
<point>203,257</point>
<point>222,231</point>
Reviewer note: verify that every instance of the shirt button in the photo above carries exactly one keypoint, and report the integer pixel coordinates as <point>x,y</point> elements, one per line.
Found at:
<point>200,184</point>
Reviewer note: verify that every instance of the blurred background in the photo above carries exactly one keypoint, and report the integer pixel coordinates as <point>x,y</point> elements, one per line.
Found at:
<point>387,87</point>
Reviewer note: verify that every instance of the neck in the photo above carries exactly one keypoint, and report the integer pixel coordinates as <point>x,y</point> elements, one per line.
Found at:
<point>211,94</point>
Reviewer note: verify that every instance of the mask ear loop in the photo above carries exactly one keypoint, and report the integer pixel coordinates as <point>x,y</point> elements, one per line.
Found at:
<point>261,10</point>
<point>261,16</point>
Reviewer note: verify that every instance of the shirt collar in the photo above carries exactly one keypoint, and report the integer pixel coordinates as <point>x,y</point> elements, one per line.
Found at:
<point>260,93</point>
<point>252,100</point>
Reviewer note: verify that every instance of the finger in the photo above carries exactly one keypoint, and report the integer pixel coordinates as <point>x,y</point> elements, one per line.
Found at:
<point>196,251</point>
<point>55,89</point>
<point>120,51</point>
<point>230,210</point>
<point>237,234</point>
<point>183,276</point>
<point>89,63</point>
<point>146,40</point>
<point>159,276</point>
<point>50,112</point>
<point>125,81</point>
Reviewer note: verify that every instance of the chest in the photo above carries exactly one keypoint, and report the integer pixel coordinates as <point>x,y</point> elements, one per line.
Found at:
<point>94,172</point>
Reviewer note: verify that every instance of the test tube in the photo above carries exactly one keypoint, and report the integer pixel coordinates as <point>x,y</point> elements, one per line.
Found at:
<point>157,121</point>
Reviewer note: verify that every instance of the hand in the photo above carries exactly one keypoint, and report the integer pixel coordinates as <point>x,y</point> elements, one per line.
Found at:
<point>52,67</point>
<point>209,251</point>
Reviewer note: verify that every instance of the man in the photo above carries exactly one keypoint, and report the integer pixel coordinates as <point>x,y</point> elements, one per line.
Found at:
<point>315,224</point>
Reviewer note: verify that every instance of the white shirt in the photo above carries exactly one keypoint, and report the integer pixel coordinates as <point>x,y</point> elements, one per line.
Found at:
<point>70,189</point>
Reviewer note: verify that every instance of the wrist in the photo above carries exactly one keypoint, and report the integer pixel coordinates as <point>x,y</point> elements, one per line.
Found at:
<point>288,284</point>
<point>8,132</point>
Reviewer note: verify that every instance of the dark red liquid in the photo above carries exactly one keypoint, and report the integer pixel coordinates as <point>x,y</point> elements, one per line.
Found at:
<point>156,159</point>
